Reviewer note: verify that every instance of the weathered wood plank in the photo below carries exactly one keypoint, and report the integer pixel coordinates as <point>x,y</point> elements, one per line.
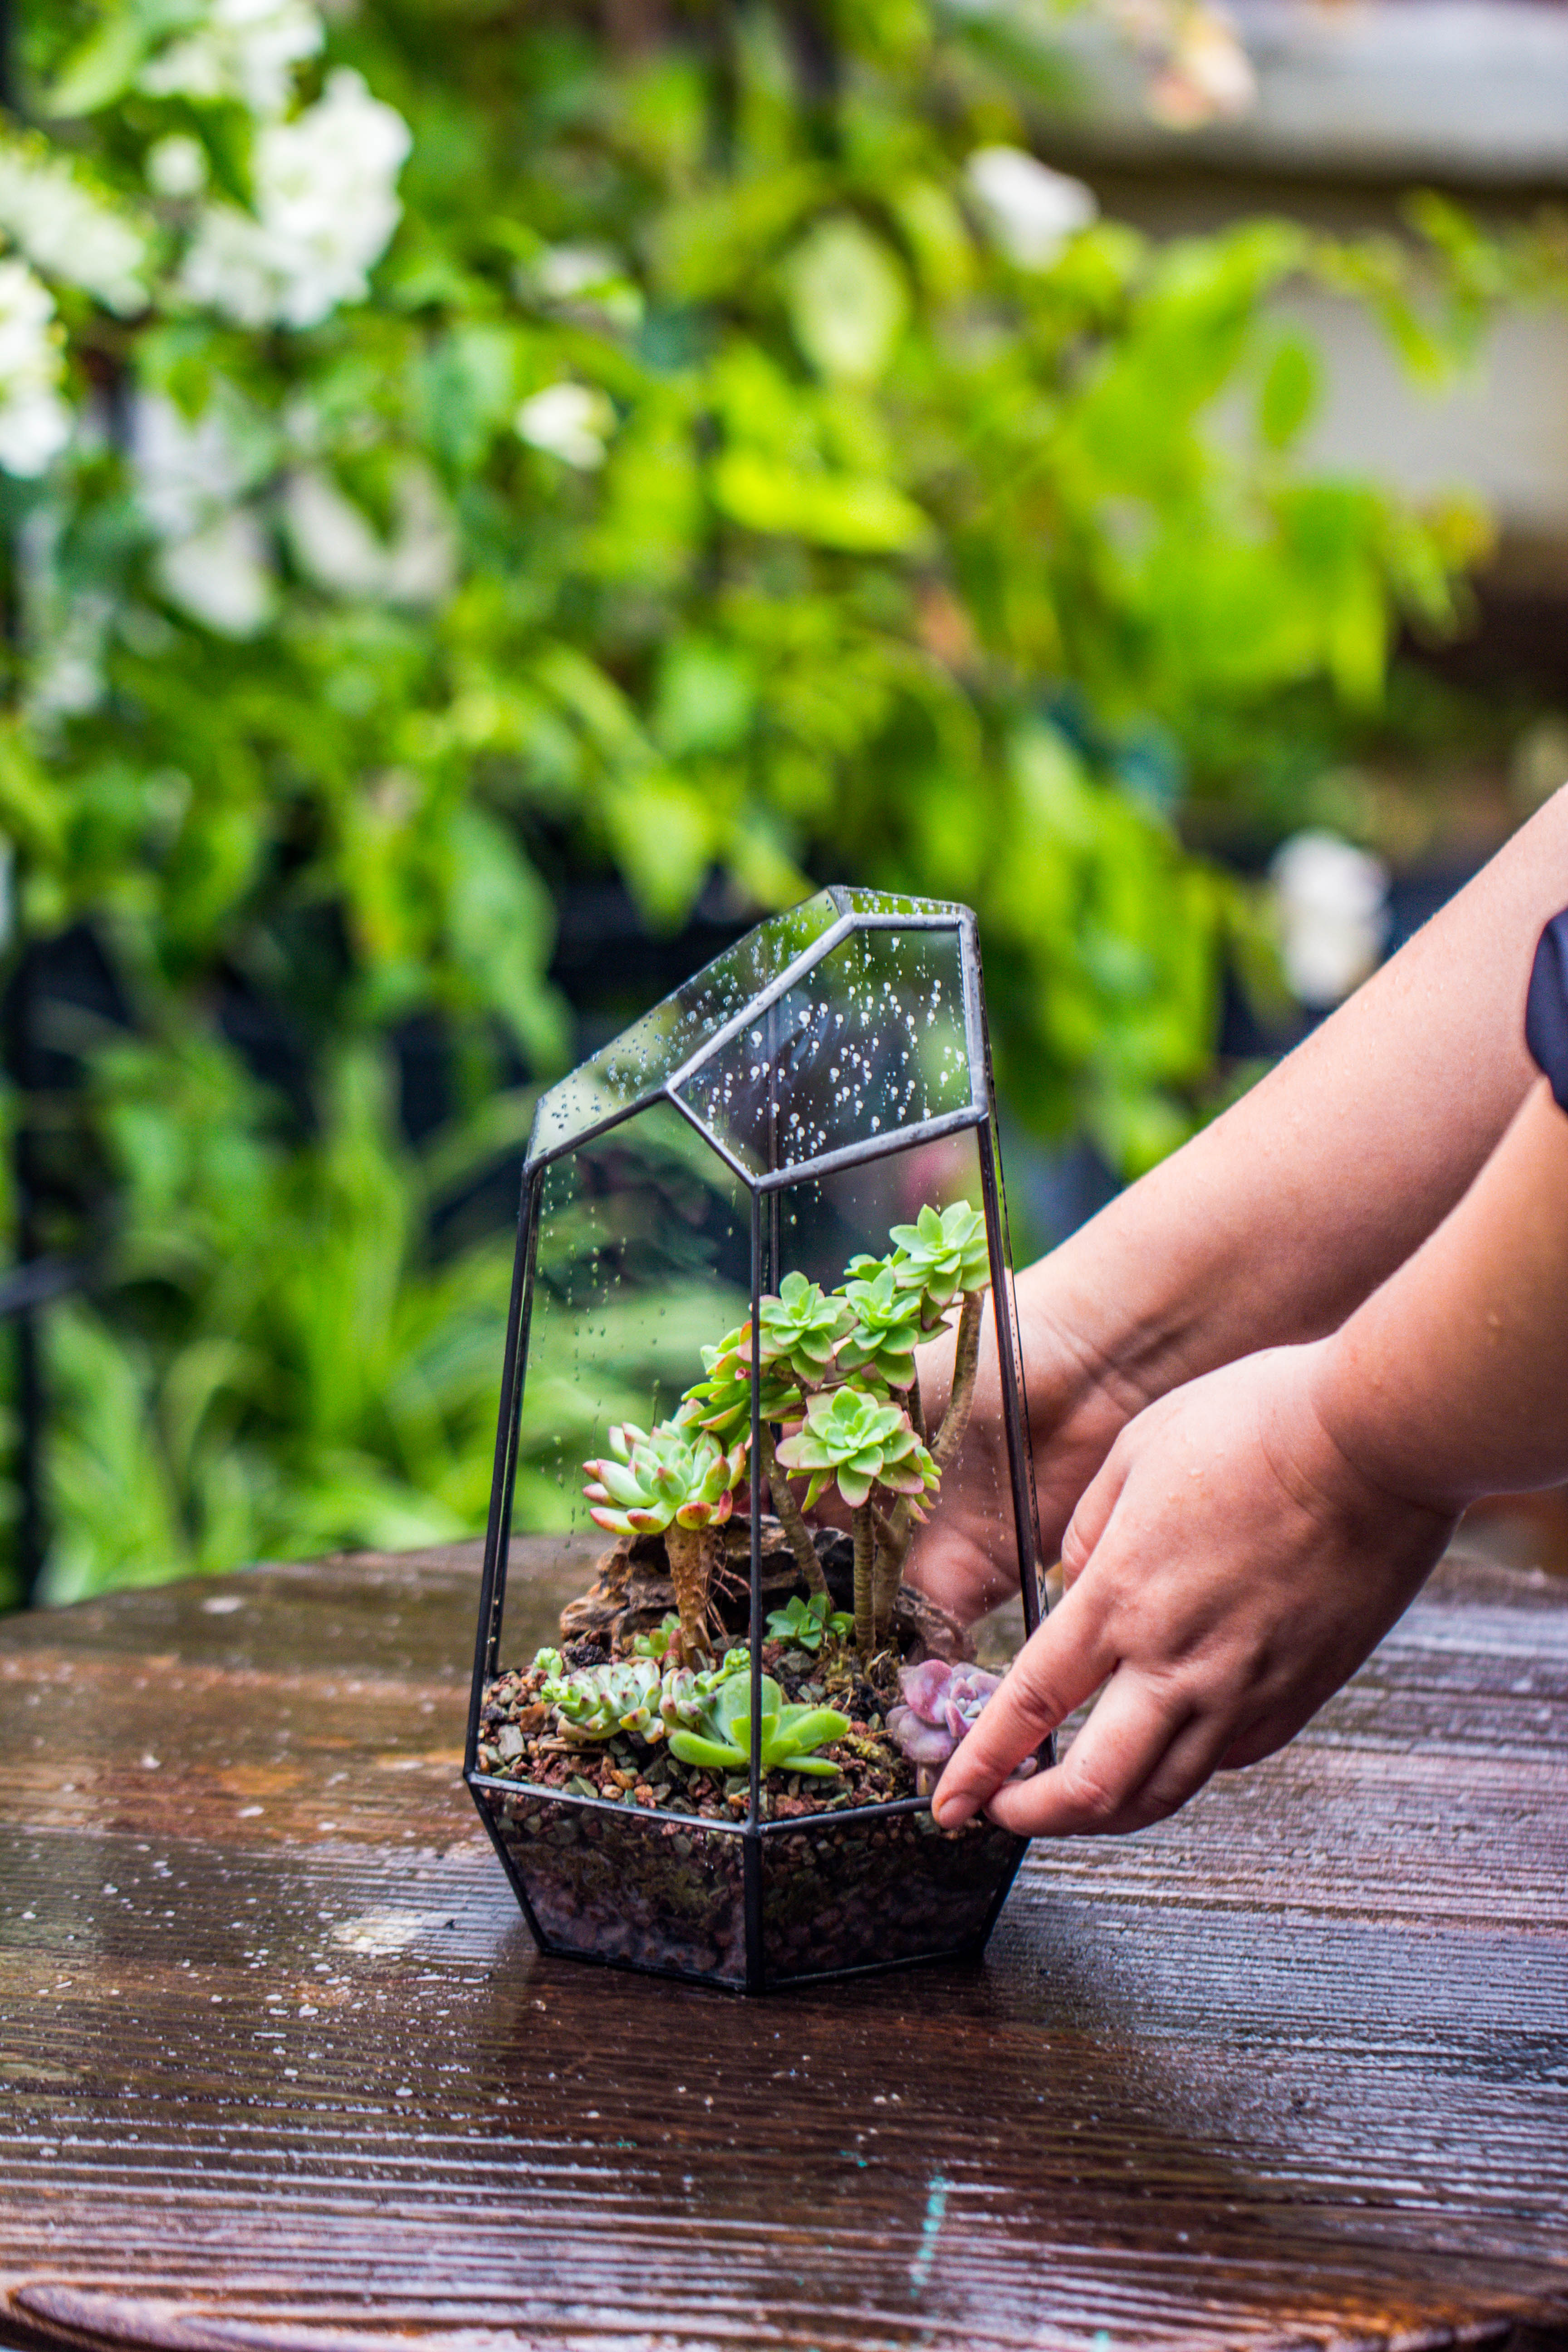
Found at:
<point>279,2069</point>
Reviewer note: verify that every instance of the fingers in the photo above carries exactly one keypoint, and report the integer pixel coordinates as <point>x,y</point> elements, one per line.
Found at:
<point>1092,1516</point>
<point>1056,1670</point>
<point>1142,1753</point>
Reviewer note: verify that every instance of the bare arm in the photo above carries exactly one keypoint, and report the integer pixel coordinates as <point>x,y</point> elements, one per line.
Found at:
<point>1277,1221</point>
<point>1253,1535</point>
<point>1452,1381</point>
<point>1274,1223</point>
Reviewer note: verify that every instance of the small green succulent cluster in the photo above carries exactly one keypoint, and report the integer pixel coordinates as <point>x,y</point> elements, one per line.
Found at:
<point>806,1620</point>
<point>631,1693</point>
<point>720,1740</point>
<point>705,1716</point>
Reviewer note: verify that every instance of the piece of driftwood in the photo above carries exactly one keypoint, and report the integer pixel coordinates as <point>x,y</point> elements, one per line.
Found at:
<point>279,2071</point>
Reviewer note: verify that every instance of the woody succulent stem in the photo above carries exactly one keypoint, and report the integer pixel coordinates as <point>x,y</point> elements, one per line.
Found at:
<point>790,1517</point>
<point>689,1551</point>
<point>893,1533</point>
<point>965,1369</point>
<point>865,1586</point>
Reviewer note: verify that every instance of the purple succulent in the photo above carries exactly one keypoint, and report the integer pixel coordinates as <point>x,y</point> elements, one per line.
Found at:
<point>941,1702</point>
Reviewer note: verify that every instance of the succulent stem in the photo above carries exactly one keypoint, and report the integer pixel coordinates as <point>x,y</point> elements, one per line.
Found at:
<point>790,1520</point>
<point>965,1369</point>
<point>865,1591</point>
<point>917,1409</point>
<point>689,1553</point>
<point>892,1533</point>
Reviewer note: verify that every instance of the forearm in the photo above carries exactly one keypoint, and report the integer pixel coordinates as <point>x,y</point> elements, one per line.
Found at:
<point>1274,1222</point>
<point>1452,1380</point>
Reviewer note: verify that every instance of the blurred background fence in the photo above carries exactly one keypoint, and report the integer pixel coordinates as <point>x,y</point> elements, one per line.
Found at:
<point>496,497</point>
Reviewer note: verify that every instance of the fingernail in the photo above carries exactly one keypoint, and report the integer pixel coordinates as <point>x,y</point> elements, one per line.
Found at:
<point>952,1812</point>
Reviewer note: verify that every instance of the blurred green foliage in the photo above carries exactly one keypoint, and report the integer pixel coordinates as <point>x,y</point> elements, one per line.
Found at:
<point>709,488</point>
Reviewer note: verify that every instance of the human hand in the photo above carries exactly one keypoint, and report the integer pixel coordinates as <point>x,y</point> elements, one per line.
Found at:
<point>1227,1570</point>
<point>966,1558</point>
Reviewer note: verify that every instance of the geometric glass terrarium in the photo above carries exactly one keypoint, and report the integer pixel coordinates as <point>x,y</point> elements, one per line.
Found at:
<point>763,1255</point>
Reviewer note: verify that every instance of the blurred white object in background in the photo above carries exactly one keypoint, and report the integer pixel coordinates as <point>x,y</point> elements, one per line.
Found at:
<point>191,480</point>
<point>247,49</point>
<point>1031,210</point>
<point>176,166</point>
<point>1331,900</point>
<point>65,229</point>
<point>570,421</point>
<point>334,543</point>
<point>326,204</point>
<point>222,576</point>
<point>35,422</point>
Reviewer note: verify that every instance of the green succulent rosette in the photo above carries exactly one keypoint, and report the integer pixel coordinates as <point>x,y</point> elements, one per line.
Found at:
<point>887,1330</point>
<point>596,1702</point>
<point>673,1475</point>
<point>856,1441</point>
<point>722,1741</point>
<point>800,1329</point>
<point>942,1255</point>
<point>721,1402</point>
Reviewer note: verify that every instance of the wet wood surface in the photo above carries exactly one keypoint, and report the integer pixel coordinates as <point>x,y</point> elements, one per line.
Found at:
<point>280,2072</point>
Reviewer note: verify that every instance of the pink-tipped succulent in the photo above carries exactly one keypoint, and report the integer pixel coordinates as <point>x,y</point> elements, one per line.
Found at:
<point>942,1703</point>
<point>673,1480</point>
<point>674,1474</point>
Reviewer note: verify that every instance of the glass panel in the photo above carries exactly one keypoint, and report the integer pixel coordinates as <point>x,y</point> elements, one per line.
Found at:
<point>645,1055</point>
<point>965,1555</point>
<point>862,1894</point>
<point>889,902</point>
<point>643,1257</point>
<point>869,1042</point>
<point>653,1892</point>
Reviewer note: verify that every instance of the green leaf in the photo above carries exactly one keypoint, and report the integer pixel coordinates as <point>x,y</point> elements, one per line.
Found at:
<point>665,838</point>
<point>856,513</point>
<point>1290,392</point>
<point>503,930</point>
<point>847,300</point>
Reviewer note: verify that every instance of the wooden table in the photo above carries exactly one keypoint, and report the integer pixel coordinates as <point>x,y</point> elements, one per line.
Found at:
<point>282,2073</point>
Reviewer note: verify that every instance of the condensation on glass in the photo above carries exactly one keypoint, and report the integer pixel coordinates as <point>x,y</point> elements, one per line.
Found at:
<point>778,1112</point>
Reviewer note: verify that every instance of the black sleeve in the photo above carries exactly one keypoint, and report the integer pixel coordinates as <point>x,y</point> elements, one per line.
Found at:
<point>1546,1006</point>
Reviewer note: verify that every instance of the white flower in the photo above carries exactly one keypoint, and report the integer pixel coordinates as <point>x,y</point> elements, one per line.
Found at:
<point>186,475</point>
<point>586,281</point>
<point>1032,211</point>
<point>66,230</point>
<point>563,270</point>
<point>1333,904</point>
<point>334,542</point>
<point>35,422</point>
<point>570,421</point>
<point>247,49</point>
<point>177,165</point>
<point>221,575</point>
<point>326,206</point>
<point>190,479</point>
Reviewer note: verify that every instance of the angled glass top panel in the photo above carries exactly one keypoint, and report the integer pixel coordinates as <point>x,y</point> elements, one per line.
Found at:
<point>885,903</point>
<point>868,1043</point>
<point>651,1051</point>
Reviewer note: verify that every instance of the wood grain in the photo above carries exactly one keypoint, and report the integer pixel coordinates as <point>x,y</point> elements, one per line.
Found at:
<point>279,2071</point>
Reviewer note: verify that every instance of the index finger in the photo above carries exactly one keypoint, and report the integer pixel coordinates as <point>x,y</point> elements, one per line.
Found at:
<point>1059,1666</point>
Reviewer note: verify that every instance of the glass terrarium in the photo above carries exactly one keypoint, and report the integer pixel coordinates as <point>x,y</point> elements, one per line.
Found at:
<point>761,1278</point>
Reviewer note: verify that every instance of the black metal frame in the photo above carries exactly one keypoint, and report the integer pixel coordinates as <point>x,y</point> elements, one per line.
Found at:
<point>979,1116</point>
